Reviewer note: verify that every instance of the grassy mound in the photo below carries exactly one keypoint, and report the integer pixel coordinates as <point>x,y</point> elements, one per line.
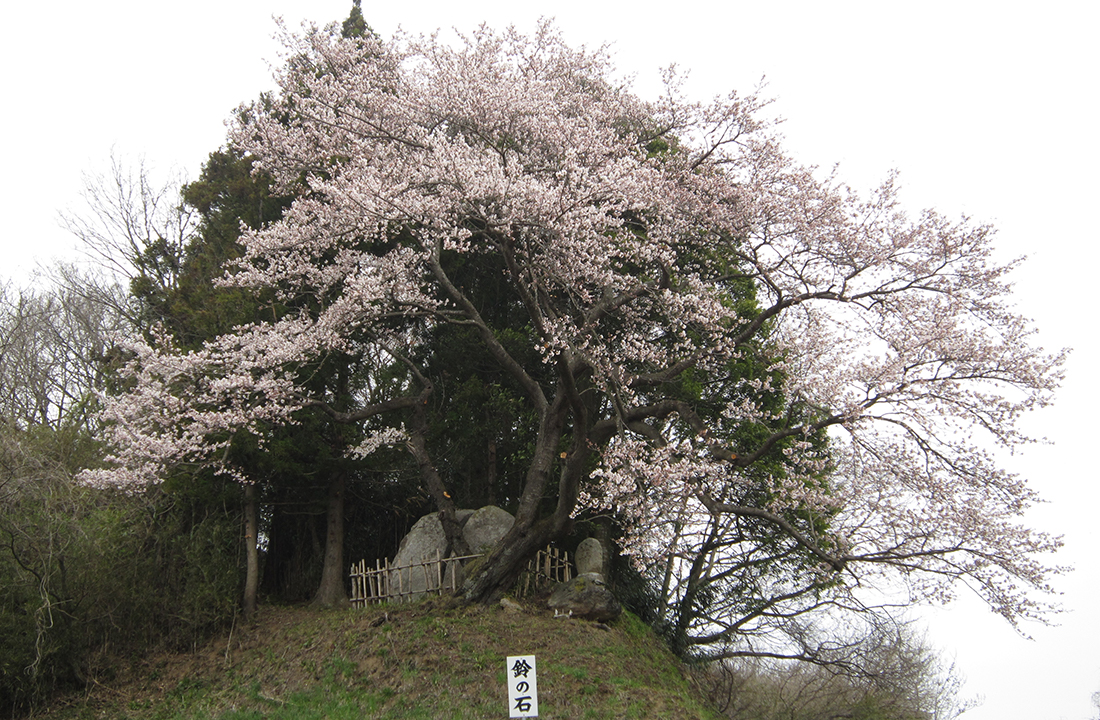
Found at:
<point>424,660</point>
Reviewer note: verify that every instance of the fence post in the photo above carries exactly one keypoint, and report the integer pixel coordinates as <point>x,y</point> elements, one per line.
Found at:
<point>352,574</point>
<point>363,582</point>
<point>438,571</point>
<point>366,580</point>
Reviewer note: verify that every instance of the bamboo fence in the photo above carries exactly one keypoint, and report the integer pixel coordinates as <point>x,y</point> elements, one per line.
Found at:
<point>390,583</point>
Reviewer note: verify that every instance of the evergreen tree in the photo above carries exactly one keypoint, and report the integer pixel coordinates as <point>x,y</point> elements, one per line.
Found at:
<point>355,26</point>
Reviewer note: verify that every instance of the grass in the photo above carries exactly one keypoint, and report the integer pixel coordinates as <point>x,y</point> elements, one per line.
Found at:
<point>424,660</point>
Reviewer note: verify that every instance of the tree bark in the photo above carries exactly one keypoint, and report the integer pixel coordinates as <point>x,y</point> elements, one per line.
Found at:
<point>607,544</point>
<point>418,447</point>
<point>500,569</point>
<point>491,475</point>
<point>251,550</point>
<point>331,592</point>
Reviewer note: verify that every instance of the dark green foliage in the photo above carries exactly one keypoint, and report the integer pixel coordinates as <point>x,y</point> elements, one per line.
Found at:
<point>298,463</point>
<point>225,195</point>
<point>482,462</point>
<point>482,428</point>
<point>356,26</point>
<point>293,469</point>
<point>88,576</point>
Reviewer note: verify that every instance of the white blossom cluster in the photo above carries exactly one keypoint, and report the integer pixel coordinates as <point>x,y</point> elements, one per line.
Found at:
<point>633,234</point>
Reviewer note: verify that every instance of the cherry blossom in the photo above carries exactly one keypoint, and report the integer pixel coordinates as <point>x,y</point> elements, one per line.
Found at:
<point>651,245</point>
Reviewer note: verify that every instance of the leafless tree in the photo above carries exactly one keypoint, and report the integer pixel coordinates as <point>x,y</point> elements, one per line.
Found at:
<point>132,224</point>
<point>52,346</point>
<point>891,673</point>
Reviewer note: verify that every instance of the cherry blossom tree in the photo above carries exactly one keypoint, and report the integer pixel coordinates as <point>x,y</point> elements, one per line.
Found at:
<point>773,382</point>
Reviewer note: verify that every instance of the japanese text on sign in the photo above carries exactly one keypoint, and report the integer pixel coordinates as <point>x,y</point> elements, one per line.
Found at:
<point>523,694</point>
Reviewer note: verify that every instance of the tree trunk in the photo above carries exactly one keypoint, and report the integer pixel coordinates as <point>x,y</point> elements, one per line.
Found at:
<point>418,447</point>
<point>603,535</point>
<point>500,569</point>
<point>491,475</point>
<point>331,591</point>
<point>251,551</point>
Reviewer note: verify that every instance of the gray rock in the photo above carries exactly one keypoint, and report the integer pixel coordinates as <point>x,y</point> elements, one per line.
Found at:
<point>589,557</point>
<point>585,596</point>
<point>486,527</point>
<point>423,542</point>
<point>510,605</point>
<point>423,539</point>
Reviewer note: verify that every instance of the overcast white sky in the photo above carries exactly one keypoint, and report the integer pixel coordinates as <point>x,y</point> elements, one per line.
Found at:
<point>986,108</point>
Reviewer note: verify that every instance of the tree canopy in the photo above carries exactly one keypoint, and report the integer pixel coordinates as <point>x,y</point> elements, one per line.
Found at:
<point>781,389</point>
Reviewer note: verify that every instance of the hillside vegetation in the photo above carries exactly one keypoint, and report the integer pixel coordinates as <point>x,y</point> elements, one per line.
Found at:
<point>422,660</point>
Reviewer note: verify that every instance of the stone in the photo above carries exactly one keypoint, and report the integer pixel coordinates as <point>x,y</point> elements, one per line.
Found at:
<point>589,557</point>
<point>585,596</point>
<point>486,527</point>
<point>509,605</point>
<point>481,529</point>
<point>424,540</point>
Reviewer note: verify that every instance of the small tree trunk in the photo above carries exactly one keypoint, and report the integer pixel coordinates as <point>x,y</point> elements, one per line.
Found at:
<point>418,447</point>
<point>251,551</point>
<point>603,534</point>
<point>331,591</point>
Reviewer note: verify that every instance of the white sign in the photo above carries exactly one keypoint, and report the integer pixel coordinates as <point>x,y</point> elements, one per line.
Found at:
<point>523,692</point>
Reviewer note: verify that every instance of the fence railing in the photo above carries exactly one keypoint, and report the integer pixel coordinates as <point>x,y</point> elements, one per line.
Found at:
<point>549,566</point>
<point>388,583</point>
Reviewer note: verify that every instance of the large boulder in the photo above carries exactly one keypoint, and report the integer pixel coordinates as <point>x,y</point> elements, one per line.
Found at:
<point>486,527</point>
<point>481,529</point>
<point>424,542</point>
<point>425,538</point>
<point>585,596</point>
